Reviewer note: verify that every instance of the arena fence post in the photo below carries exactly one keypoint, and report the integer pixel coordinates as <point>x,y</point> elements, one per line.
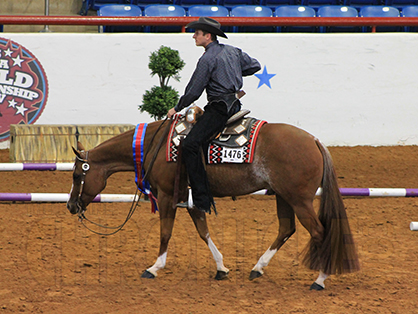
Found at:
<point>46,27</point>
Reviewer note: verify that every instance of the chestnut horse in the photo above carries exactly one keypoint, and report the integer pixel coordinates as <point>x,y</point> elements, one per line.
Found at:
<point>288,162</point>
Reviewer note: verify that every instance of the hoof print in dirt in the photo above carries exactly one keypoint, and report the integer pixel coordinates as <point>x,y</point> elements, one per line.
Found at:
<point>221,275</point>
<point>255,274</point>
<point>316,287</point>
<point>147,275</point>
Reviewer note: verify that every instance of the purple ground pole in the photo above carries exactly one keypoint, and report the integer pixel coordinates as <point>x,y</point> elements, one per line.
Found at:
<point>22,197</point>
<point>39,166</point>
<point>354,192</point>
<point>411,192</point>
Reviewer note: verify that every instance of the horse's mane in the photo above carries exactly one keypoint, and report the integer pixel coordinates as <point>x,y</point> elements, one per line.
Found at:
<point>119,140</point>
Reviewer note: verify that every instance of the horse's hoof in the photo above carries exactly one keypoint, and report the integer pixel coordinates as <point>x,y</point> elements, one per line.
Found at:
<point>255,274</point>
<point>220,275</point>
<point>316,287</point>
<point>148,275</point>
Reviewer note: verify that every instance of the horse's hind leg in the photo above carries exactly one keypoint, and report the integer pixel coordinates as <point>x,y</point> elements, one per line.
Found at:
<point>308,218</point>
<point>199,220</point>
<point>286,217</point>
<point>319,282</point>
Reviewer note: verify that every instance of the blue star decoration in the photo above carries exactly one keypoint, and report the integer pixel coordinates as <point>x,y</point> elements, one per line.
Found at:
<point>264,78</point>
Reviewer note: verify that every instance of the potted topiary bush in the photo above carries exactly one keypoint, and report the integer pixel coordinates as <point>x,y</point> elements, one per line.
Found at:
<point>166,63</point>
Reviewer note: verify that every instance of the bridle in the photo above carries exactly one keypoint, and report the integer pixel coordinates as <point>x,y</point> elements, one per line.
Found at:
<point>135,203</point>
<point>85,167</point>
<point>81,209</point>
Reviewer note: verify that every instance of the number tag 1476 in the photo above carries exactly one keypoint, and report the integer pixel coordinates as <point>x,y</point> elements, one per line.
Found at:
<point>234,155</point>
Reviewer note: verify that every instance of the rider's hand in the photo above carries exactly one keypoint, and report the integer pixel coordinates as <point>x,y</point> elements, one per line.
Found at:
<point>171,113</point>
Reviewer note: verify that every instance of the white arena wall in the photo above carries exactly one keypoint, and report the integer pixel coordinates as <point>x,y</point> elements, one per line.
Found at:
<point>346,89</point>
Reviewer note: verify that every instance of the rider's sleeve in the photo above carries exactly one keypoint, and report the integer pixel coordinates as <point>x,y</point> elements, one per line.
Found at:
<point>196,85</point>
<point>249,65</point>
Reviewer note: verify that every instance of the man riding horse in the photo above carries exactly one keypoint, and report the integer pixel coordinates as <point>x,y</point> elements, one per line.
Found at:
<point>220,72</point>
<point>288,162</point>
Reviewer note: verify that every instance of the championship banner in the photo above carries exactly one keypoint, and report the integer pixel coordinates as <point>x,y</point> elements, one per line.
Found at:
<point>23,87</point>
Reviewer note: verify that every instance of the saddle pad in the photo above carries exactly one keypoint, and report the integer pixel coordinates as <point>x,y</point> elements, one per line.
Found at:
<point>219,153</point>
<point>227,148</point>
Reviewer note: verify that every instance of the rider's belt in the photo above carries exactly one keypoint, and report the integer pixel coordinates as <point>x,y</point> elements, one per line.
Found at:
<point>228,99</point>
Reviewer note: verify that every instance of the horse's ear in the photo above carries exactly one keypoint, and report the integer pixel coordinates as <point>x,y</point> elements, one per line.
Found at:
<point>76,152</point>
<point>80,147</point>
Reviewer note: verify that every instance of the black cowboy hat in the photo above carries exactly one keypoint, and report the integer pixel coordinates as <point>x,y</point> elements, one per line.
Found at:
<point>207,24</point>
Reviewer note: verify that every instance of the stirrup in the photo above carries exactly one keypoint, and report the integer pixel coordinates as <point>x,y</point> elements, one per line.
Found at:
<point>183,205</point>
<point>189,203</point>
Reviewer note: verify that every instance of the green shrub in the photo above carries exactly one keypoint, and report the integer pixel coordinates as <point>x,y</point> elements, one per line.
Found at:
<point>159,100</point>
<point>166,63</point>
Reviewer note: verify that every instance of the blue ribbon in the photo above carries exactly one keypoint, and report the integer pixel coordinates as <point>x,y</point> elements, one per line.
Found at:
<point>138,154</point>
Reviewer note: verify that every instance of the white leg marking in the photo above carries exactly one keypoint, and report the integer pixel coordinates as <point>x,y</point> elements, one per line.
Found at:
<point>264,260</point>
<point>217,256</point>
<point>190,203</point>
<point>159,264</point>
<point>321,278</point>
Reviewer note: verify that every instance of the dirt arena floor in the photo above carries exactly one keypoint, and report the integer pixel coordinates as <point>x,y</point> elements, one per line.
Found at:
<point>49,263</point>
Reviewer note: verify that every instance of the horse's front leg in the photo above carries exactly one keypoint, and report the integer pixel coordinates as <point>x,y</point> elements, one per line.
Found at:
<point>167,216</point>
<point>199,220</point>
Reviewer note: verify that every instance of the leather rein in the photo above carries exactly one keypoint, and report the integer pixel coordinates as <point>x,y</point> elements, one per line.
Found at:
<point>135,203</point>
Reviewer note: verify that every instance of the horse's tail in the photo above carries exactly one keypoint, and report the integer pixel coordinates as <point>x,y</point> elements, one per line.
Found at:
<point>337,253</point>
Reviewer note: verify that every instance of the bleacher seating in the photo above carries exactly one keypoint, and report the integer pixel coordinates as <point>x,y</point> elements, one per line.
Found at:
<point>319,3</point>
<point>295,11</point>
<point>119,10</point>
<point>144,3</point>
<point>272,4</point>
<point>358,4</point>
<point>97,4</point>
<point>229,4</point>
<point>260,8</point>
<point>380,11</point>
<point>337,11</point>
<point>252,11</point>
<point>410,11</point>
<point>164,10</point>
<point>399,4</point>
<point>188,3</point>
<point>207,10</point>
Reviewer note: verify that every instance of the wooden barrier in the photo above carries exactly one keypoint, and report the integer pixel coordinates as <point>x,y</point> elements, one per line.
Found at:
<point>52,143</point>
<point>92,135</point>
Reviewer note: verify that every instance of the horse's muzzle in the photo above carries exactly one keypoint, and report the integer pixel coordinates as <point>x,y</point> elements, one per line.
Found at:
<point>76,207</point>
